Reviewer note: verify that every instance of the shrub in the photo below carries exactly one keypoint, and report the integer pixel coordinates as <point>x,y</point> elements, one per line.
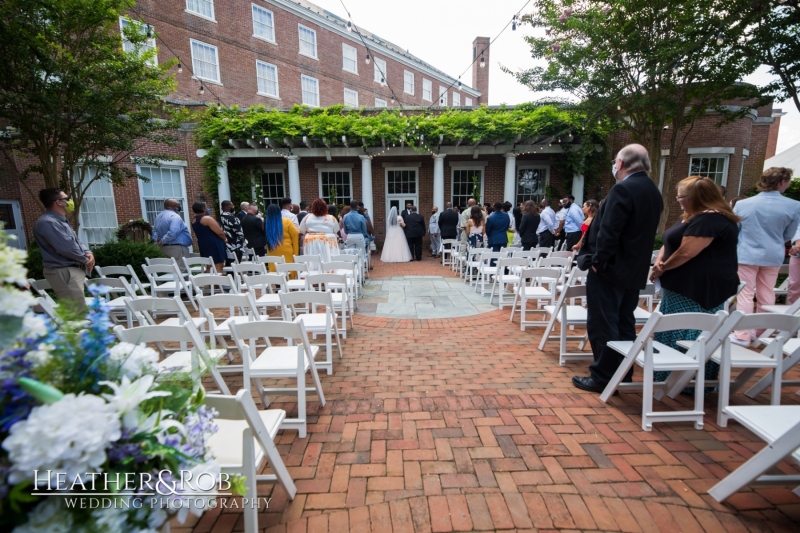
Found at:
<point>34,262</point>
<point>126,252</point>
<point>658,243</point>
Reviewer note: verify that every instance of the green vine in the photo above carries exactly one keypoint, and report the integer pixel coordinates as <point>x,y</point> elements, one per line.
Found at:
<point>522,125</point>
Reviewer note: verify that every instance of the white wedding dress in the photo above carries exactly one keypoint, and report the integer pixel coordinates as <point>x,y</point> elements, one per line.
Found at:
<point>395,247</point>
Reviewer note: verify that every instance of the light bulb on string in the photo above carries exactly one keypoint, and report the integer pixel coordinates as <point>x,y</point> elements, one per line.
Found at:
<point>180,68</point>
<point>349,26</point>
<point>459,82</point>
<point>483,61</point>
<point>720,39</point>
<point>392,101</point>
<point>202,90</point>
<point>149,32</point>
<point>367,59</point>
<point>619,107</point>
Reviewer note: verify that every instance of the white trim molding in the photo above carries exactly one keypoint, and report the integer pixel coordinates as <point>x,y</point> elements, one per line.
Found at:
<point>711,150</point>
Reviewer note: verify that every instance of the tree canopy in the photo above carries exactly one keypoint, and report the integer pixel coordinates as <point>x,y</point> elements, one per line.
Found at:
<point>74,101</point>
<point>649,66</point>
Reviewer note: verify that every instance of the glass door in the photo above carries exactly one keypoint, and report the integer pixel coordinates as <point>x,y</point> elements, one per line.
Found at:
<point>11,221</point>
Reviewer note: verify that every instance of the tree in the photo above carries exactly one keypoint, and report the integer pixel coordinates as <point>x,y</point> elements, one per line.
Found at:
<point>773,40</point>
<point>76,104</point>
<point>652,66</point>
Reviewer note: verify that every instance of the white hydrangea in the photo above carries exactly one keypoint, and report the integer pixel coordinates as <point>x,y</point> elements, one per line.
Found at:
<point>12,265</point>
<point>70,435</point>
<point>50,516</point>
<point>14,302</point>
<point>40,355</point>
<point>136,359</point>
<point>34,326</point>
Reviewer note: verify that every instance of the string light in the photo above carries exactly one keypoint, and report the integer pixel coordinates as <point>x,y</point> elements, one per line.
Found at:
<point>619,107</point>
<point>149,32</point>
<point>483,61</point>
<point>349,26</point>
<point>180,68</point>
<point>514,23</point>
<point>367,59</point>
<point>202,89</point>
<point>720,39</point>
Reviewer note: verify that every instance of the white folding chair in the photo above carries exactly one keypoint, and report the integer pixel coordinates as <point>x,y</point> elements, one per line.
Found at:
<point>265,289</point>
<point>531,255</point>
<point>312,261</point>
<point>126,272</point>
<point>278,362</point>
<point>486,270</point>
<point>299,283</point>
<point>508,272</point>
<point>535,284</point>
<point>472,260</point>
<point>336,284</point>
<point>246,269</point>
<point>192,358</point>
<point>166,278</point>
<point>783,288</point>
<point>116,306</point>
<point>232,309</point>
<point>779,426</point>
<point>213,284</point>
<point>270,260</point>
<point>301,307</point>
<point>791,349</point>
<point>42,286</point>
<point>568,316</point>
<point>145,311</point>
<point>447,251</point>
<point>199,265</point>
<point>653,356</point>
<point>349,270</point>
<point>245,437</point>
<point>359,270</point>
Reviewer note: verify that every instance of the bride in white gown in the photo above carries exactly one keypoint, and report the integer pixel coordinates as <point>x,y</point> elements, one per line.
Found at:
<point>395,247</point>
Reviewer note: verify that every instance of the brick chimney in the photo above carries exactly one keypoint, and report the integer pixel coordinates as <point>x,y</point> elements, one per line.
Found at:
<point>480,76</point>
<point>774,128</point>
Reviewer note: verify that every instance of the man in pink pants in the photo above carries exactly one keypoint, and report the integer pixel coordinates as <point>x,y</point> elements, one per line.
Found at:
<point>769,219</point>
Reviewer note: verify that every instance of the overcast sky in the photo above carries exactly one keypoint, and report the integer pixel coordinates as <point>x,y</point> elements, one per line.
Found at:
<point>441,32</point>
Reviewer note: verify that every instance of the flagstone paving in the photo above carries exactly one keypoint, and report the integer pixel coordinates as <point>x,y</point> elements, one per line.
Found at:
<point>461,424</point>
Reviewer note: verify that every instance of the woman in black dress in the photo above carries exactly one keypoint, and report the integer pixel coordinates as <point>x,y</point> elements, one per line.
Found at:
<point>210,237</point>
<point>528,225</point>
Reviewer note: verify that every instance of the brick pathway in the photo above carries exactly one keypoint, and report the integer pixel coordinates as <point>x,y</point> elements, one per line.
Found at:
<point>463,425</point>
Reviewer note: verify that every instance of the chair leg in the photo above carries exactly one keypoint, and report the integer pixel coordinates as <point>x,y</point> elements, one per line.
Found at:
<point>777,376</point>
<point>549,328</point>
<point>276,463</point>
<point>301,402</point>
<point>251,486</point>
<point>724,391</point>
<point>699,393</point>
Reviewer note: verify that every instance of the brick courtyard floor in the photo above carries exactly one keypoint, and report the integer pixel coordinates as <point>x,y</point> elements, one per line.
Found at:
<point>461,424</point>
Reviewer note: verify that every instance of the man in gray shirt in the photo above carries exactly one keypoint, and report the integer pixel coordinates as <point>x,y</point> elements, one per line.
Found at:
<point>65,259</point>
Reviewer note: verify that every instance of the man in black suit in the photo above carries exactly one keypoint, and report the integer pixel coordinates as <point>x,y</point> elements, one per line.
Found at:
<point>617,254</point>
<point>414,228</point>
<point>253,229</point>
<point>448,222</point>
<point>407,210</point>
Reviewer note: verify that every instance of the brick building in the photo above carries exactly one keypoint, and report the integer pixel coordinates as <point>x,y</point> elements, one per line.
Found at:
<point>279,53</point>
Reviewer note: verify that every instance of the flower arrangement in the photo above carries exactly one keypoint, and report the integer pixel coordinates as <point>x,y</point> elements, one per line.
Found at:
<point>83,414</point>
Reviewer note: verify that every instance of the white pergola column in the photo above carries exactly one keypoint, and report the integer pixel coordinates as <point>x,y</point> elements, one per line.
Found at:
<point>366,183</point>
<point>509,186</point>
<point>224,186</point>
<point>294,178</point>
<point>577,189</point>
<point>438,180</point>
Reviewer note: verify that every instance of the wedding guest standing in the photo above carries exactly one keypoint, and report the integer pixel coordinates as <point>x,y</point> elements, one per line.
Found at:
<point>232,227</point>
<point>171,233</point>
<point>433,229</point>
<point>283,239</point>
<point>528,225</point>
<point>210,237</point>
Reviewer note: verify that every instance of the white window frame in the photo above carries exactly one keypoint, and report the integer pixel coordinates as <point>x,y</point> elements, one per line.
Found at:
<point>467,102</point>
<point>270,199</point>
<point>530,166</point>
<point>84,214</point>
<point>260,63</point>
<point>456,99</point>
<point>479,168</point>
<point>303,78</point>
<point>127,46</point>
<point>185,207</point>
<point>427,87</point>
<point>263,10</point>
<point>324,194</point>
<point>300,28</point>
<point>380,102</point>
<point>192,42</point>
<point>379,71</point>
<point>408,80</point>
<point>352,93</point>
<point>198,13</point>
<point>347,49</point>
<point>398,169</point>
<point>712,155</point>
<point>442,102</point>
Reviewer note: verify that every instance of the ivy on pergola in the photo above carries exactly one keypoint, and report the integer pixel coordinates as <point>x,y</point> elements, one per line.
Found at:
<point>526,127</point>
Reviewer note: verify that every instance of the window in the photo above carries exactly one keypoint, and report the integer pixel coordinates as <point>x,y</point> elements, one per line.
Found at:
<point>129,47</point>
<point>442,96</point>
<point>335,185</point>
<point>310,88</point>
<point>408,82</point>
<point>165,182</point>
<point>464,182</point>
<point>456,100</point>
<point>349,58</point>
<point>379,102</point>
<point>427,90</point>
<point>401,181</point>
<point>272,187</point>
<point>350,98</point>
<point>267,76</point>
<point>710,166</point>
<point>263,24</point>
<point>308,41</point>
<point>380,71</point>
<point>531,183</point>
<point>468,102</point>
<point>204,8</point>
<point>204,61</point>
<point>98,213</point>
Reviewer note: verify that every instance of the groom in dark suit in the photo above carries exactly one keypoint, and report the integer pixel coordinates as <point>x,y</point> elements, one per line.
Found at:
<point>617,255</point>
<point>414,228</point>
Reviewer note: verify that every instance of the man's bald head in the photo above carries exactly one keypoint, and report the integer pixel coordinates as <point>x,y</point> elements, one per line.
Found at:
<point>471,202</point>
<point>634,158</point>
<point>448,205</point>
<point>171,203</point>
<point>252,209</point>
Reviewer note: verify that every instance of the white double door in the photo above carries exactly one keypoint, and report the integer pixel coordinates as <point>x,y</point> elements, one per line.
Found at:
<point>400,201</point>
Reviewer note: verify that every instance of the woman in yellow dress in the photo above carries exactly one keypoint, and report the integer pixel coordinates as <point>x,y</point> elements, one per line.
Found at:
<point>282,236</point>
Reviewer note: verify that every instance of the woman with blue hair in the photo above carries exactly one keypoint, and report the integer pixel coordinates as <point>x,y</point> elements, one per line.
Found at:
<point>283,238</point>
